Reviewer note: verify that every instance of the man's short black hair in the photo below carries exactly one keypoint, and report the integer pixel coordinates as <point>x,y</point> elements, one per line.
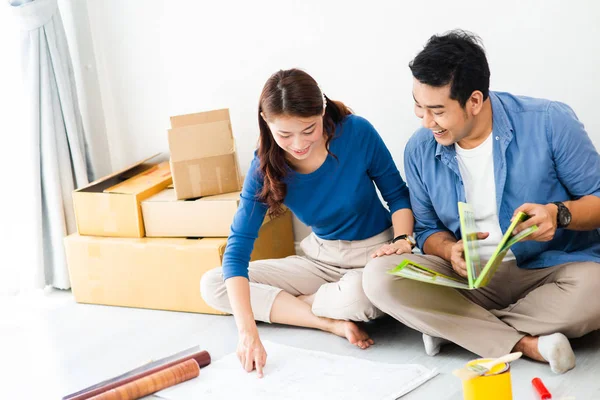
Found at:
<point>456,58</point>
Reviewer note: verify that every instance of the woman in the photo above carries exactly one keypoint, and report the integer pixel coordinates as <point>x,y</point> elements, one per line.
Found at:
<point>318,159</point>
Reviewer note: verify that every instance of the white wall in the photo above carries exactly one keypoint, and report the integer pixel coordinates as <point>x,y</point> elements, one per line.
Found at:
<point>160,58</point>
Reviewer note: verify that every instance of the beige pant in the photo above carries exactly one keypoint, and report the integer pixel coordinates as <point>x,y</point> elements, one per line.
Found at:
<point>330,268</point>
<point>489,321</point>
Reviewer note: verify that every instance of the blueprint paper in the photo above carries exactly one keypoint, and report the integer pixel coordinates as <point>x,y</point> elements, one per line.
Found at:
<point>293,373</point>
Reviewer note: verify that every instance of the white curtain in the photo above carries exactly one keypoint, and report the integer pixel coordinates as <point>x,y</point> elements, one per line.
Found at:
<point>57,149</point>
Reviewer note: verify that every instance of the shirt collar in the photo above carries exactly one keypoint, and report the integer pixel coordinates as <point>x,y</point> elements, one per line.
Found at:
<point>501,125</point>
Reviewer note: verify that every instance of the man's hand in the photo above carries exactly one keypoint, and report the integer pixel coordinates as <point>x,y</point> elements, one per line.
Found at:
<point>400,247</point>
<point>251,352</point>
<point>457,255</point>
<point>542,215</point>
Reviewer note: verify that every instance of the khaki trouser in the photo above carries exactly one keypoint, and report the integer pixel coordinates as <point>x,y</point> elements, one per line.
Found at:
<point>330,268</point>
<point>489,321</point>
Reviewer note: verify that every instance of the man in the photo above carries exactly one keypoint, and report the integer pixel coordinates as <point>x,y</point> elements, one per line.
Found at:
<point>502,154</point>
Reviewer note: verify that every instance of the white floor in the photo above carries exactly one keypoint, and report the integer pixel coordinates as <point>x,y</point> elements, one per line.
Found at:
<point>51,346</point>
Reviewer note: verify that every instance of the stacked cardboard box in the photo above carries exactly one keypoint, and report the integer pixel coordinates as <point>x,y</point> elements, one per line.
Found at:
<point>203,157</point>
<point>111,206</point>
<point>140,245</point>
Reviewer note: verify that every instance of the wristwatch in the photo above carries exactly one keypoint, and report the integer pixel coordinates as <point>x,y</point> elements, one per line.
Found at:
<point>411,240</point>
<point>563,217</point>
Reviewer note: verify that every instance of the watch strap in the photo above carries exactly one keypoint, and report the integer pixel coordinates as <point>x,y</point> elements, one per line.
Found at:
<point>403,237</point>
<point>561,210</point>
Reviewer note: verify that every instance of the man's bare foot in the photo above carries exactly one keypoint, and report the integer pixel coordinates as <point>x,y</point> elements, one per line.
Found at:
<point>554,349</point>
<point>352,332</point>
<point>307,298</point>
<point>528,345</point>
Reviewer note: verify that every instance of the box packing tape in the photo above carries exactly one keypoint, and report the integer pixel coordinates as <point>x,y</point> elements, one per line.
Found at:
<point>110,224</point>
<point>194,177</point>
<point>219,179</point>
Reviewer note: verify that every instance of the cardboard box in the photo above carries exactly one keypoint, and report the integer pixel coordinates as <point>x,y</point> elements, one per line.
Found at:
<point>111,206</point>
<point>210,216</point>
<point>156,175</point>
<point>203,159</point>
<point>160,273</point>
<point>179,121</point>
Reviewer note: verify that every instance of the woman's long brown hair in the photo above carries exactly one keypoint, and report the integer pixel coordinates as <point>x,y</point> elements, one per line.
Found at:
<point>294,93</point>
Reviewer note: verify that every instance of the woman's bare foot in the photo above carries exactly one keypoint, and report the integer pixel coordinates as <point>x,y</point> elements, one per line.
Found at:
<point>307,298</point>
<point>288,310</point>
<point>352,332</point>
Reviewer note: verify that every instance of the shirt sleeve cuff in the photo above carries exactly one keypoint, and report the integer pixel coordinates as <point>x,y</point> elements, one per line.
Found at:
<point>399,205</point>
<point>229,273</point>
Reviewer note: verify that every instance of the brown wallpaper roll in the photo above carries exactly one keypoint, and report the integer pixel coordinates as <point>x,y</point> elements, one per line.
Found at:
<point>152,383</point>
<point>201,357</point>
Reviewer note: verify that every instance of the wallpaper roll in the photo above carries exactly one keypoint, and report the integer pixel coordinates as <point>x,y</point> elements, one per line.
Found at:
<point>201,357</point>
<point>152,383</point>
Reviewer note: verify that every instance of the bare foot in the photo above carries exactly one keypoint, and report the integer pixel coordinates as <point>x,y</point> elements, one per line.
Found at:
<point>554,349</point>
<point>528,345</point>
<point>352,332</point>
<point>307,298</point>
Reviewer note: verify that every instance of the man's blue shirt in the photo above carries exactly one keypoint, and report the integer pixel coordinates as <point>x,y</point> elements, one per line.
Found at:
<point>542,154</point>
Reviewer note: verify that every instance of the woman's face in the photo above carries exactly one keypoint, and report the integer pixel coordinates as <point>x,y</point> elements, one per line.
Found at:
<point>299,137</point>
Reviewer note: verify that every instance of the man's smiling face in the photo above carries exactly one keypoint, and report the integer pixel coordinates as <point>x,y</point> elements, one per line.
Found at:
<point>447,120</point>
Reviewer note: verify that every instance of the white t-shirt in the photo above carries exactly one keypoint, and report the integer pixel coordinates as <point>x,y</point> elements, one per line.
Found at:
<point>476,167</point>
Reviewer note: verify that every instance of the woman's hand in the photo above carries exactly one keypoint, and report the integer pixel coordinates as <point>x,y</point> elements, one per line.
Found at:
<point>400,247</point>
<point>251,352</point>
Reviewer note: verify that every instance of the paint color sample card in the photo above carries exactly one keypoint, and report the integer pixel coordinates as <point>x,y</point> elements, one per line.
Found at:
<point>293,373</point>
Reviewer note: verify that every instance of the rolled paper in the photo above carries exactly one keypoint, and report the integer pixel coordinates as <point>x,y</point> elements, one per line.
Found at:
<point>201,357</point>
<point>152,383</point>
